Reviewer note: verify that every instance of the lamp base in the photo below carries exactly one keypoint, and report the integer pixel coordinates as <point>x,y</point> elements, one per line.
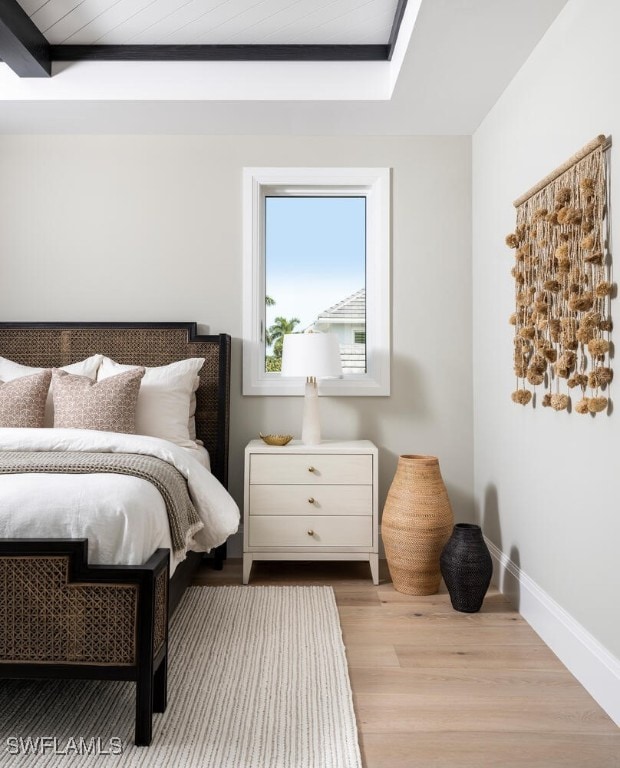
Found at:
<point>311,427</point>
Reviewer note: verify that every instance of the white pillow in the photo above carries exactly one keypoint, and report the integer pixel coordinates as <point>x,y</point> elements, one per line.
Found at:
<point>191,424</point>
<point>164,401</point>
<point>10,370</point>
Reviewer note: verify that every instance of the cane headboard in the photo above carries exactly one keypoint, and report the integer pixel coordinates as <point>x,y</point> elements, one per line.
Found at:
<point>51,345</point>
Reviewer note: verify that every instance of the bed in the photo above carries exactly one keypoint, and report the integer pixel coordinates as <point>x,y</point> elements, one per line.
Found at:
<point>61,617</point>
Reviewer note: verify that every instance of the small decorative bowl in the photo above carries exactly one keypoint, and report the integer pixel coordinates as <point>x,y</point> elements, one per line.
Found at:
<point>276,439</point>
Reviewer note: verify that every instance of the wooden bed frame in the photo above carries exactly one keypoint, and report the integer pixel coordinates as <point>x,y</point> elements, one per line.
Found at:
<point>60,617</point>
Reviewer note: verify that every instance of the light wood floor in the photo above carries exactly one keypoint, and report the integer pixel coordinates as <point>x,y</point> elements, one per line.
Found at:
<point>436,688</point>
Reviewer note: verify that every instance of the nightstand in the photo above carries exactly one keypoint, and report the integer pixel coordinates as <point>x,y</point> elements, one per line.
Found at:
<point>311,502</point>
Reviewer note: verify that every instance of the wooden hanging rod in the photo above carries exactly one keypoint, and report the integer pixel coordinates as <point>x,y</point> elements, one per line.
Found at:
<point>599,141</point>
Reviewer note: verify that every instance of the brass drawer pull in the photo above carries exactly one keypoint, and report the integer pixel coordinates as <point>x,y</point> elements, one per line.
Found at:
<point>310,500</point>
<point>311,469</point>
<point>310,532</point>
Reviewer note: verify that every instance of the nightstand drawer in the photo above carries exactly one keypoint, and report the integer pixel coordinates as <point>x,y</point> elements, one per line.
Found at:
<point>330,469</point>
<point>309,531</point>
<point>311,500</point>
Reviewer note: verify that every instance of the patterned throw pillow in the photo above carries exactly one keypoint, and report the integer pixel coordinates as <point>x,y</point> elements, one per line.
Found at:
<point>22,401</point>
<point>108,405</point>
<point>10,370</point>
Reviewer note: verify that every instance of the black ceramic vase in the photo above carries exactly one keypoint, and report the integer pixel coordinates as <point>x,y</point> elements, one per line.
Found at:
<point>466,567</point>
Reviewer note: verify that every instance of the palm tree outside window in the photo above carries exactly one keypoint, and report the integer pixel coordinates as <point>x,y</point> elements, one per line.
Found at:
<point>274,338</point>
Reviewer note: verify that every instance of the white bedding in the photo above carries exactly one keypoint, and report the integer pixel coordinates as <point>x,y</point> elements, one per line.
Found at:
<point>123,517</point>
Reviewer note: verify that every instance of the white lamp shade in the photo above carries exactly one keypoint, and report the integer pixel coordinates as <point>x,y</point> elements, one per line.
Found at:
<point>311,354</point>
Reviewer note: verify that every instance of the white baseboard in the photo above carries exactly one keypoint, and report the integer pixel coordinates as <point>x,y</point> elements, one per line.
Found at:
<point>590,662</point>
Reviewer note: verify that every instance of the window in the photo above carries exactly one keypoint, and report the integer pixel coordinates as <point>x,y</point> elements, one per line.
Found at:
<point>316,257</point>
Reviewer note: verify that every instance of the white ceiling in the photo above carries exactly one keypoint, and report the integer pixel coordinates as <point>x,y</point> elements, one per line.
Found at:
<point>178,22</point>
<point>461,56</point>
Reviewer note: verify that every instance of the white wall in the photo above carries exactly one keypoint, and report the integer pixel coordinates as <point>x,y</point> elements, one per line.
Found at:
<point>149,228</point>
<point>546,483</point>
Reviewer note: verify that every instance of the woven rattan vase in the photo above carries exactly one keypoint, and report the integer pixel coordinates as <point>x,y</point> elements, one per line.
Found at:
<point>466,567</point>
<point>417,521</point>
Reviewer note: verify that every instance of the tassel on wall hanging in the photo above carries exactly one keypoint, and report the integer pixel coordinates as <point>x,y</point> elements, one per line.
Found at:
<point>563,287</point>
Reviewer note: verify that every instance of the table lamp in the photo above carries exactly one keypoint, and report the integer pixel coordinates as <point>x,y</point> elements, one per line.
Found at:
<point>315,356</point>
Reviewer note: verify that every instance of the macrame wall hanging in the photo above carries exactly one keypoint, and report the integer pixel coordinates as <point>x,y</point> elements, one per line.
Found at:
<point>563,287</point>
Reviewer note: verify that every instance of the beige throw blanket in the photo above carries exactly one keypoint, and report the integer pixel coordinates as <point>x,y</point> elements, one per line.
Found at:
<point>182,516</point>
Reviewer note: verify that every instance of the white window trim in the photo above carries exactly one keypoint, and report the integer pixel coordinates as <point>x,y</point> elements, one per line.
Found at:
<point>374,184</point>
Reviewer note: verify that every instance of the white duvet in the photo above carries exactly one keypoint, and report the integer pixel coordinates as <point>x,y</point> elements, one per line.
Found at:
<point>124,518</point>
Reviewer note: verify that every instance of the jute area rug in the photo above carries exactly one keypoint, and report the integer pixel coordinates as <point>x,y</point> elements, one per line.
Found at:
<point>257,679</point>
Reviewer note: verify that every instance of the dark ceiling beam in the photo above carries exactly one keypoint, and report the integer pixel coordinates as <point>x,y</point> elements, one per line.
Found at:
<point>22,46</point>
<point>398,20</point>
<point>218,52</point>
<point>28,54</point>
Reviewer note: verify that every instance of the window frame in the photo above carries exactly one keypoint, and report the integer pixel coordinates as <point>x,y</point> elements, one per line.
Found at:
<point>374,185</point>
